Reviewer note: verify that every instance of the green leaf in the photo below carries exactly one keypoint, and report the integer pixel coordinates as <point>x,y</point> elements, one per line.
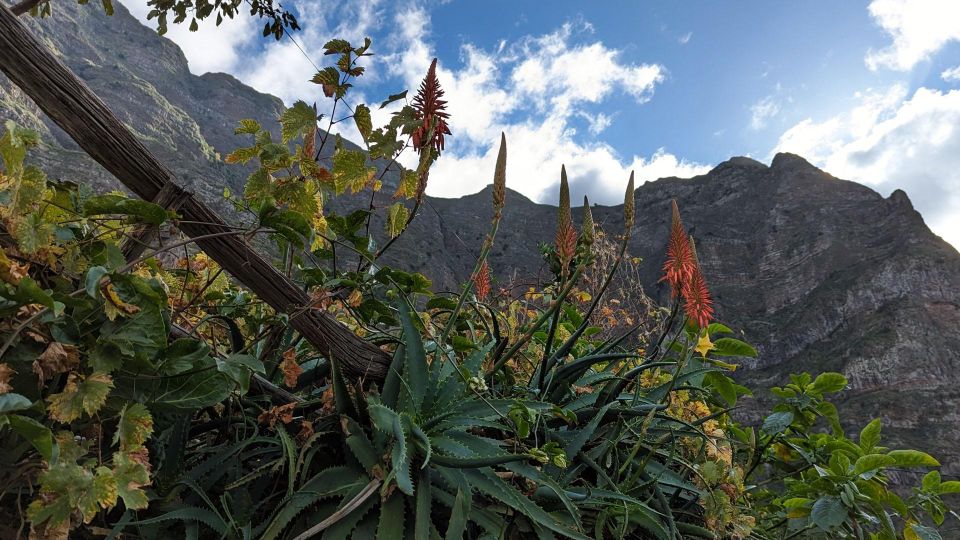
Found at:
<point>240,367</point>
<point>871,462</point>
<point>870,435</point>
<point>11,402</point>
<point>717,328</point>
<point>361,115</point>
<point>336,46</point>
<point>777,422</point>
<point>732,347</point>
<point>828,383</point>
<point>931,481</point>
<point>723,385</point>
<point>147,212</point>
<point>828,513</point>
<point>28,292</point>
<point>194,391</point>
<point>327,76</point>
<point>913,458</point>
<point>951,486</point>
<point>297,120</point>
<point>92,280</point>
<point>293,226</point>
<point>393,97</point>
<point>247,126</point>
<point>925,533</point>
<point>36,433</point>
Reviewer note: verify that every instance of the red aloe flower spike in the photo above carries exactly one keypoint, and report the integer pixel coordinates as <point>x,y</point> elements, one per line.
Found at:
<point>697,302</point>
<point>430,111</point>
<point>678,269</point>
<point>481,281</point>
<point>566,234</point>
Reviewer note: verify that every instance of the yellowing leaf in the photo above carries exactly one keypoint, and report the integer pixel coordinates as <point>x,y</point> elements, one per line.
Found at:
<point>105,488</point>
<point>80,395</point>
<point>131,475</point>
<point>241,155</point>
<point>115,305</point>
<point>397,218</point>
<point>407,187</point>
<point>361,115</point>
<point>297,120</point>
<point>135,427</point>
<point>350,170</point>
<point>247,126</point>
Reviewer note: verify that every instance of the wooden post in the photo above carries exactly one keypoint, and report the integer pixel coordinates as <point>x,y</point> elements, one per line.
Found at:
<point>76,109</point>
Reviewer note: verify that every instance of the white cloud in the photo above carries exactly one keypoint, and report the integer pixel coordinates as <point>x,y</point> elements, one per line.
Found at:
<point>285,67</point>
<point>597,123</point>
<point>892,140</point>
<point>282,68</point>
<point>951,75</point>
<point>684,39</point>
<point>762,111</point>
<point>532,90</point>
<point>211,48</point>
<point>919,28</point>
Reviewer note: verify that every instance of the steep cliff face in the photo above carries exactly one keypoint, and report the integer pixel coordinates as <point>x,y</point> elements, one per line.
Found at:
<point>820,273</point>
<point>184,119</point>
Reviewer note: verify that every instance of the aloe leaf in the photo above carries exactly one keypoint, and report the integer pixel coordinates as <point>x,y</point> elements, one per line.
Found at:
<point>391,385</point>
<point>392,514</point>
<point>332,482</point>
<point>415,370</point>
<point>458,517</point>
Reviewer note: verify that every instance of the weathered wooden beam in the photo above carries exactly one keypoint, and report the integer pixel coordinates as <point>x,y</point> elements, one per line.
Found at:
<point>84,116</point>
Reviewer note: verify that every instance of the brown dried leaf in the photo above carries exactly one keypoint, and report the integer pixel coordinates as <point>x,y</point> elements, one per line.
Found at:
<point>290,368</point>
<point>57,358</point>
<point>282,413</point>
<point>6,372</point>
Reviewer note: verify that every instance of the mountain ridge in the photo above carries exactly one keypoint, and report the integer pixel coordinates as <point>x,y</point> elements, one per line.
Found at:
<point>820,273</point>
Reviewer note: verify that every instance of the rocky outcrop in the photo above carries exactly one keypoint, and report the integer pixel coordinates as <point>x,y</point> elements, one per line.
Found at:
<point>820,273</point>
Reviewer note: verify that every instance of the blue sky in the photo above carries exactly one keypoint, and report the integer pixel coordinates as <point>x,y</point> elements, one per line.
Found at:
<point>868,90</point>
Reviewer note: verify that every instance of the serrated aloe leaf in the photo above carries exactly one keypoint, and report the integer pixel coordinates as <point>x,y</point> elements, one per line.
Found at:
<point>422,521</point>
<point>458,517</point>
<point>415,369</point>
<point>392,514</point>
<point>332,482</point>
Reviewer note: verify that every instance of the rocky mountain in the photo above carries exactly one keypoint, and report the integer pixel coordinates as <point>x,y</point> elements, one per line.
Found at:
<point>820,273</point>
